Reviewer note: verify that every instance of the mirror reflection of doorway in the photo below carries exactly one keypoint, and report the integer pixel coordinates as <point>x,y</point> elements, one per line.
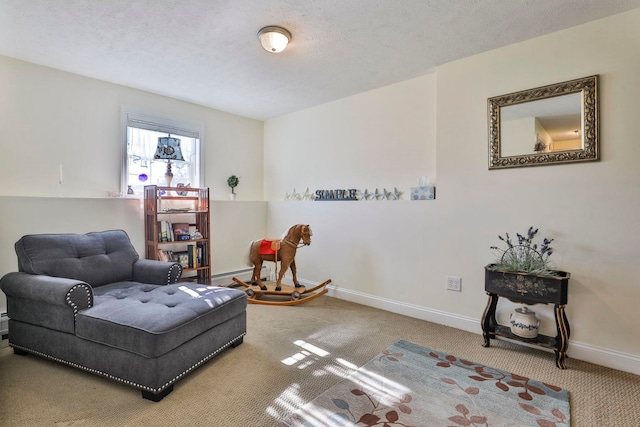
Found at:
<point>546,125</point>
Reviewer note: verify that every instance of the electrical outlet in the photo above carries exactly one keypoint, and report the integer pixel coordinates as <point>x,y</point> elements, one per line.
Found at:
<point>454,283</point>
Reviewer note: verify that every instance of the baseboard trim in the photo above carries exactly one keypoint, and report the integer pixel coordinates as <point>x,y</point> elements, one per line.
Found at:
<point>411,310</point>
<point>605,357</point>
<point>577,350</point>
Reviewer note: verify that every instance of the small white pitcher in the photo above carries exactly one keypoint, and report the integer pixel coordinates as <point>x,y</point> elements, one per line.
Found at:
<point>524,323</point>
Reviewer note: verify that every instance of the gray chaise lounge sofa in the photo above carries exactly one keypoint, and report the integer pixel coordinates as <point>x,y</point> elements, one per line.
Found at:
<point>87,300</point>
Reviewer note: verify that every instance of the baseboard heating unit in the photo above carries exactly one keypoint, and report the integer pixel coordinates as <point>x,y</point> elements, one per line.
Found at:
<point>4,325</point>
<point>244,274</point>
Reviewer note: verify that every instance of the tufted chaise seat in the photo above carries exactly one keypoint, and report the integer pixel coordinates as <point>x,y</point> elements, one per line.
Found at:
<point>152,320</point>
<point>90,302</point>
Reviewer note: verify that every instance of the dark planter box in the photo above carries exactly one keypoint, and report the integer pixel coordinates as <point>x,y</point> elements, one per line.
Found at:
<point>527,288</point>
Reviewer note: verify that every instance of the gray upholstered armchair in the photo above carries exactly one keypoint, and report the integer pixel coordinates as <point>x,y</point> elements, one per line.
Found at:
<point>88,300</point>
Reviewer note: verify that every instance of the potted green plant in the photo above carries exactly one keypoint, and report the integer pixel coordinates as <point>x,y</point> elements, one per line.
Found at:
<point>233,182</point>
<point>523,269</point>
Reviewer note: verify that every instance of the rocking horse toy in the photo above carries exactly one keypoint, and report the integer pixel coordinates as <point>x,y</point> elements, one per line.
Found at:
<point>281,250</point>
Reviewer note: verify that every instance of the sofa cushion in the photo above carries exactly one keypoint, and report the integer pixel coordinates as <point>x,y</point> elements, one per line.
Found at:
<point>95,258</point>
<point>151,320</point>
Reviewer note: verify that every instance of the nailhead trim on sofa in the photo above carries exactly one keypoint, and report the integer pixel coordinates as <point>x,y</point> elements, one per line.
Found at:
<point>73,305</point>
<point>130,383</point>
<point>179,267</point>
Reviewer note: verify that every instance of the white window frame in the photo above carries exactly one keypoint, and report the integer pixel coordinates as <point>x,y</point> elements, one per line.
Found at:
<point>146,120</point>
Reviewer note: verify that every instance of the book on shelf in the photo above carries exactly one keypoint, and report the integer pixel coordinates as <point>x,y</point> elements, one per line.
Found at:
<point>165,255</point>
<point>202,254</point>
<point>193,256</point>
<point>165,232</point>
<point>162,232</point>
<point>197,254</point>
<point>181,231</point>
<point>182,258</point>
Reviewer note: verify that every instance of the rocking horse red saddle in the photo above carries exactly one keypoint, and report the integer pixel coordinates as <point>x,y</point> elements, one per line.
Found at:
<point>269,246</point>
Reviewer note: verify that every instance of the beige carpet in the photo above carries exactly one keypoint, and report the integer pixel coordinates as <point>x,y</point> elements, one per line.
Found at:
<point>290,355</point>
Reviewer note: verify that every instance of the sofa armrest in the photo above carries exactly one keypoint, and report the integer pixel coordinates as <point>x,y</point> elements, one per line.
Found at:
<point>156,272</point>
<point>52,302</point>
<point>58,291</point>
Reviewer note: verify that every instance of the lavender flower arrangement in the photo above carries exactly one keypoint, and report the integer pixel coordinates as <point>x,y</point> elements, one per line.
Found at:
<point>525,256</point>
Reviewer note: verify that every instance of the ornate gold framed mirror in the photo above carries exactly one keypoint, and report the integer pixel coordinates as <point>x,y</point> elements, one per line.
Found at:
<point>551,124</point>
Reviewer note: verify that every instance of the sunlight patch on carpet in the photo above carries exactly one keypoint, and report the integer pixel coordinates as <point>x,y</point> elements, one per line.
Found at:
<point>289,399</point>
<point>312,348</point>
<point>302,357</point>
<point>298,357</point>
<point>346,363</point>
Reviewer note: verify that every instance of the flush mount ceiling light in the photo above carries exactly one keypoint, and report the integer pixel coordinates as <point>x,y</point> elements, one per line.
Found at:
<point>274,39</point>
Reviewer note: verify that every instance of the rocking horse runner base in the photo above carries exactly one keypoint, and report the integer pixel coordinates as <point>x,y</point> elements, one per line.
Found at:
<point>296,295</point>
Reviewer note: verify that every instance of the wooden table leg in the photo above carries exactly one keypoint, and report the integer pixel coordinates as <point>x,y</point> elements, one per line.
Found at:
<point>488,321</point>
<point>562,338</point>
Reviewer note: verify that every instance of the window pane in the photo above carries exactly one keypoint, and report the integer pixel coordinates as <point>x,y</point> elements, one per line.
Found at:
<point>142,169</point>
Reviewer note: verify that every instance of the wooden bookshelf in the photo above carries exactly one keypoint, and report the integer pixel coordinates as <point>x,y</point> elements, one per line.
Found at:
<point>164,208</point>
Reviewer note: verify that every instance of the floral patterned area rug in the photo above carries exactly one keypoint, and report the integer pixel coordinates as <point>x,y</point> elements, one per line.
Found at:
<point>410,385</point>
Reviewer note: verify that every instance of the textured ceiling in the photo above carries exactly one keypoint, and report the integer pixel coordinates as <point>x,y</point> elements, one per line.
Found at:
<point>207,51</point>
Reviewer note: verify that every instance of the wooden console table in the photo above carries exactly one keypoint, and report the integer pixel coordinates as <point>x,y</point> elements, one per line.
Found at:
<point>527,289</point>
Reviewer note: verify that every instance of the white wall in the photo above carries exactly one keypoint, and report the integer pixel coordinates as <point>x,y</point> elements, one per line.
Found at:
<point>50,117</point>
<point>397,254</point>
<point>362,143</point>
